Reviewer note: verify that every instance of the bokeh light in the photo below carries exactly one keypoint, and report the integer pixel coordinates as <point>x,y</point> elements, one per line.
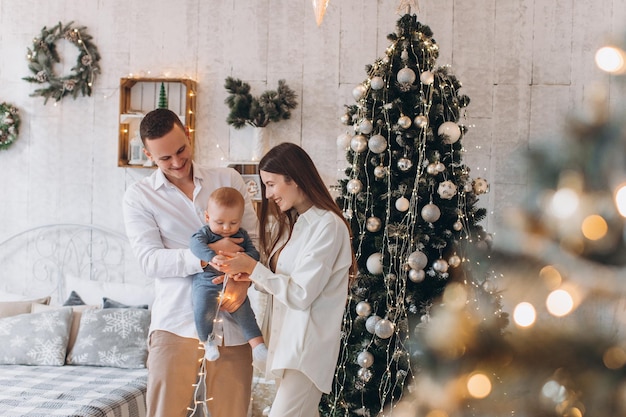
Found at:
<point>479,385</point>
<point>559,303</point>
<point>610,59</point>
<point>594,227</point>
<point>524,314</point>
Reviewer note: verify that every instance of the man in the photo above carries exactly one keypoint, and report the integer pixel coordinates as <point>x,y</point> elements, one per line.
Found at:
<point>161,212</point>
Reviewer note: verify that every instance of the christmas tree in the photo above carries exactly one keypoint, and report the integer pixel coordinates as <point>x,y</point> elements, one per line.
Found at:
<point>412,206</point>
<point>562,253</point>
<point>162,97</point>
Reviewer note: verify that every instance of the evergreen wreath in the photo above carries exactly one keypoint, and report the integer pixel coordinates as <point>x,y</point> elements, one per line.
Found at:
<point>9,125</point>
<point>44,55</point>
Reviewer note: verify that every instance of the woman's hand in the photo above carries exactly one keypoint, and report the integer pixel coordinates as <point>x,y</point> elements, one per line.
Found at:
<point>234,263</point>
<point>235,294</point>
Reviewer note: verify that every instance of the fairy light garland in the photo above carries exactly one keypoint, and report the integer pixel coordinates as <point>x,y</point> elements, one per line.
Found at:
<point>44,55</point>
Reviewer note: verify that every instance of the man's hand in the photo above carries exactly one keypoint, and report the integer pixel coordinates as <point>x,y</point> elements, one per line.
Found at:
<point>235,294</point>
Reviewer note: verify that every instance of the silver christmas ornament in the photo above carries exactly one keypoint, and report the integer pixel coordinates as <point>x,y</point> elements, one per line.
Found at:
<point>406,76</point>
<point>373,224</point>
<point>363,309</point>
<point>377,143</point>
<point>404,122</point>
<point>404,164</point>
<point>348,214</point>
<point>402,204</point>
<point>354,186</point>
<point>365,359</point>
<point>359,92</point>
<point>370,323</point>
<point>440,167</point>
<point>458,226</point>
<point>380,171</point>
<point>421,121</point>
<point>449,132</point>
<point>427,78</point>
<point>417,260</point>
<point>364,374</point>
<point>366,126</point>
<point>384,329</point>
<point>374,263</point>
<point>431,213</point>
<point>417,276</point>
<point>358,143</point>
<point>432,169</point>
<point>377,83</point>
<point>454,261</point>
<point>345,119</point>
<point>343,141</point>
<point>440,265</point>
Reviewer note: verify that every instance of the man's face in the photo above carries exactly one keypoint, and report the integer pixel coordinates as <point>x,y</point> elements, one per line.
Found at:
<point>172,153</point>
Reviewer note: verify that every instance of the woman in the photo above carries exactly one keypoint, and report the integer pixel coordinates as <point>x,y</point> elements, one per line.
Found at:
<point>309,257</point>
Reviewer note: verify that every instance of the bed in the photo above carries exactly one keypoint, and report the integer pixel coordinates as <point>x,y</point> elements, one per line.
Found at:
<point>74,318</point>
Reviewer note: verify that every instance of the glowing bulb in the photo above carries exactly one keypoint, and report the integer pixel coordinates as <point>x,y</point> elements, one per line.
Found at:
<point>479,385</point>
<point>610,59</point>
<point>559,303</point>
<point>620,199</point>
<point>524,314</point>
<point>564,203</point>
<point>594,227</point>
<point>551,276</point>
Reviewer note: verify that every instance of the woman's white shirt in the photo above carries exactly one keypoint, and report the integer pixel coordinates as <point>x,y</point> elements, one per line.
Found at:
<point>310,289</point>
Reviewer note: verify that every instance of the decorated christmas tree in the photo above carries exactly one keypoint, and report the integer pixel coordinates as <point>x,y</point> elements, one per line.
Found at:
<point>413,209</point>
<point>562,254</point>
<point>162,97</point>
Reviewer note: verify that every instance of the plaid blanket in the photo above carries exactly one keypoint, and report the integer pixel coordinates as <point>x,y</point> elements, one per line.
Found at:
<point>76,391</point>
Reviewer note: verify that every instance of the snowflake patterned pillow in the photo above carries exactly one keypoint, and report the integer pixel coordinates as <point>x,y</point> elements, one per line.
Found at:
<point>115,337</point>
<point>35,339</point>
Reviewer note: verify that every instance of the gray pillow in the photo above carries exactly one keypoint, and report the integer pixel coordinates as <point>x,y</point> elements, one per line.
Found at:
<point>74,300</point>
<point>115,337</point>
<point>35,339</point>
<point>109,303</point>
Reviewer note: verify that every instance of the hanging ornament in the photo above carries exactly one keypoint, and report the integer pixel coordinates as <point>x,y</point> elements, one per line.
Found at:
<point>354,186</point>
<point>421,121</point>
<point>440,167</point>
<point>363,309</point>
<point>406,76</point>
<point>364,374</point>
<point>446,190</point>
<point>343,141</point>
<point>402,204</point>
<point>427,78</point>
<point>440,265</point>
<point>432,169</point>
<point>319,7</point>
<point>454,261</point>
<point>359,92</point>
<point>345,119</point>
<point>404,122</point>
<point>384,329</point>
<point>375,263</point>
<point>365,359</point>
<point>377,83</point>
<point>358,143</point>
<point>366,126</point>
<point>348,214</point>
<point>417,275</point>
<point>431,213</point>
<point>467,187</point>
<point>404,164</point>
<point>417,260</point>
<point>377,143</point>
<point>480,186</point>
<point>449,132</point>
<point>370,323</point>
<point>380,171</point>
<point>458,226</point>
<point>373,224</point>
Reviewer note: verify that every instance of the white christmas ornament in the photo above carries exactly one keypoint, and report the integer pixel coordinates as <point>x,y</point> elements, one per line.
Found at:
<point>359,92</point>
<point>427,78</point>
<point>417,276</point>
<point>377,143</point>
<point>354,186</point>
<point>406,76</point>
<point>374,263</point>
<point>366,126</point>
<point>404,164</point>
<point>358,143</point>
<point>440,265</point>
<point>404,122</point>
<point>370,323</point>
<point>373,224</point>
<point>431,213</point>
<point>454,261</point>
<point>402,204</point>
<point>364,374</point>
<point>365,359</point>
<point>417,260</point>
<point>343,141</point>
<point>421,121</point>
<point>363,309</point>
<point>377,83</point>
<point>446,190</point>
<point>458,226</point>
<point>384,329</point>
<point>432,169</point>
<point>380,171</point>
<point>449,132</point>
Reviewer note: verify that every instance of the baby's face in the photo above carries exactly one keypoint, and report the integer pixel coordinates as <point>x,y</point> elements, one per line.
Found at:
<point>224,221</point>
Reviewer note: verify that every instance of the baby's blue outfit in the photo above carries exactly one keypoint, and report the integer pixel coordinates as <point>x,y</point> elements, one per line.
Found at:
<point>205,293</point>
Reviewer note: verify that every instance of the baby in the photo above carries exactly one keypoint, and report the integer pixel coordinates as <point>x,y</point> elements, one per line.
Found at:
<point>223,217</point>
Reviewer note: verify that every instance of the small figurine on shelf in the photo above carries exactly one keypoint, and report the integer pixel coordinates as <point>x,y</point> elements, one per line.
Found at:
<point>135,151</point>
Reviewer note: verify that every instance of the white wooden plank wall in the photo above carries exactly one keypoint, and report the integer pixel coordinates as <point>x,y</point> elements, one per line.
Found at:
<point>524,64</point>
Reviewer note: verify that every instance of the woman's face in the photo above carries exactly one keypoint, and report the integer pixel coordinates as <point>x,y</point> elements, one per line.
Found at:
<point>286,194</point>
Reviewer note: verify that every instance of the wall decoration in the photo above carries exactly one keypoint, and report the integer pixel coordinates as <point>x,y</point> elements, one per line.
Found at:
<point>9,125</point>
<point>44,55</point>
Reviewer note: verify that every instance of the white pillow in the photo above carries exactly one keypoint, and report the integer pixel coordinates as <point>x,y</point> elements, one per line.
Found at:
<point>92,292</point>
<point>7,296</point>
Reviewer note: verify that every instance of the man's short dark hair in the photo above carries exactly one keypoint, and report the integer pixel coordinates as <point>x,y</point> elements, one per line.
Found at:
<point>158,123</point>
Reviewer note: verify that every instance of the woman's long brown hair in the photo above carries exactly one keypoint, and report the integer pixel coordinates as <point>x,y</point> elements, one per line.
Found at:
<point>292,162</point>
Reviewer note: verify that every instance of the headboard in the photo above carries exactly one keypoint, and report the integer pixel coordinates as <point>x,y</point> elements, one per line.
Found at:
<point>37,261</point>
